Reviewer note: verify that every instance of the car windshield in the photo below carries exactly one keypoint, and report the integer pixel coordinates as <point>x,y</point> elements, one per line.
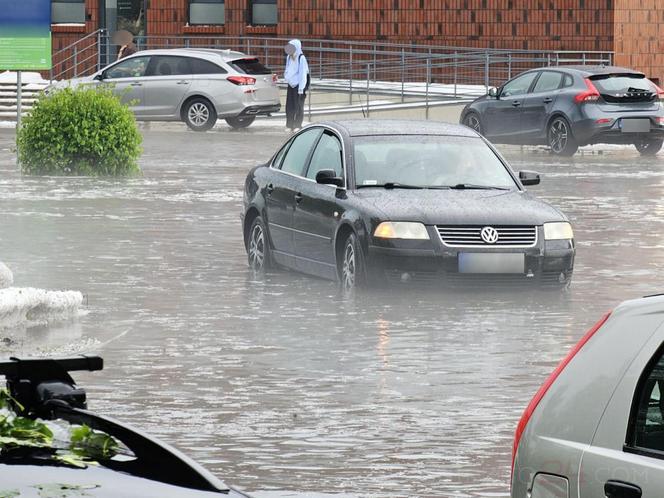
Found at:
<point>428,162</point>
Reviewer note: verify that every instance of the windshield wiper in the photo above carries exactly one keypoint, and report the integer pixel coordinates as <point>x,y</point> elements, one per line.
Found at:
<point>472,186</point>
<point>390,185</point>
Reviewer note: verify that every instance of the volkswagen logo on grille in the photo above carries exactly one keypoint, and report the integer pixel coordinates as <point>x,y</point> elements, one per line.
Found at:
<point>489,235</point>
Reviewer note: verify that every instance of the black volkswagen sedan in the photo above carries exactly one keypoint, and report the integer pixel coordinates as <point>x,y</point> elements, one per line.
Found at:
<point>565,107</point>
<point>369,200</point>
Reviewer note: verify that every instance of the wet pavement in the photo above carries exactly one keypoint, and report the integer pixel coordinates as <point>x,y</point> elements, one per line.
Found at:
<point>283,386</point>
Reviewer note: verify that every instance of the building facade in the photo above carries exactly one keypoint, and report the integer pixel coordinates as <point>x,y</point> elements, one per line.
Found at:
<point>630,28</point>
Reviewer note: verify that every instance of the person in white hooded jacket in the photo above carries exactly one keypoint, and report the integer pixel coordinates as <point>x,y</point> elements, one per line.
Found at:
<point>297,77</point>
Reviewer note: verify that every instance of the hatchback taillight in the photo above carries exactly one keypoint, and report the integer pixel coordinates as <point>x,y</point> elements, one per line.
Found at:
<point>530,409</point>
<point>242,80</point>
<point>590,95</point>
<point>660,93</point>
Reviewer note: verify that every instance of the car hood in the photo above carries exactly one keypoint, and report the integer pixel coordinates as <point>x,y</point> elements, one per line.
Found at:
<point>73,83</point>
<point>458,207</point>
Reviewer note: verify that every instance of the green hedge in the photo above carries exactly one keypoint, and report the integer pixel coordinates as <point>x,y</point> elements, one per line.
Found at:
<point>84,131</point>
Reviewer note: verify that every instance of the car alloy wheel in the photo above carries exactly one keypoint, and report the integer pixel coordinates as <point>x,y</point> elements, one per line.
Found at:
<point>257,251</point>
<point>649,147</point>
<point>472,121</point>
<point>198,114</point>
<point>349,268</point>
<point>560,137</point>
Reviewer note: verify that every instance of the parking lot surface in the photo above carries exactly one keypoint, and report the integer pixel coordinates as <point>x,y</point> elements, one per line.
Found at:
<point>282,385</point>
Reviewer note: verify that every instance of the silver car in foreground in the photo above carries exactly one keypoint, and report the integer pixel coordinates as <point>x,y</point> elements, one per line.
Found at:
<point>196,86</point>
<point>595,429</point>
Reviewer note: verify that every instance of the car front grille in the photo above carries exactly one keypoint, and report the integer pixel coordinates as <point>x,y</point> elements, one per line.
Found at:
<point>471,236</point>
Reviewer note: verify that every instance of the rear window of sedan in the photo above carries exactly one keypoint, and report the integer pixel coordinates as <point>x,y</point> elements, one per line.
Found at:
<point>428,162</point>
<point>249,66</point>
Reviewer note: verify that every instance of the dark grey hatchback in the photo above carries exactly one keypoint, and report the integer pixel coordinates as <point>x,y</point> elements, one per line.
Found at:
<point>366,200</point>
<point>565,107</point>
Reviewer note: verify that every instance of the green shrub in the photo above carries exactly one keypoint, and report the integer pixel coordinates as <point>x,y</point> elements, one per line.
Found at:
<point>80,131</point>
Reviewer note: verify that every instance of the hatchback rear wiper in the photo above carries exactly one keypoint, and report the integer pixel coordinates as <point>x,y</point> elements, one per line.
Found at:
<point>471,186</point>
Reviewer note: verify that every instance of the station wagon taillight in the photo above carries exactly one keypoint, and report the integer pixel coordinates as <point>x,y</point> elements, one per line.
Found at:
<point>530,409</point>
<point>242,80</point>
<point>590,95</point>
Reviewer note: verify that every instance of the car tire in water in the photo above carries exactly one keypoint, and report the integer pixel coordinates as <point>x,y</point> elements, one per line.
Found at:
<point>199,114</point>
<point>472,121</point>
<point>352,272</point>
<point>560,139</point>
<point>240,121</point>
<point>258,247</point>
<point>649,146</point>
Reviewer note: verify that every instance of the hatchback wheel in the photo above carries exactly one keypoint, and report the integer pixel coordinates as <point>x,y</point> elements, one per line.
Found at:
<point>258,250</point>
<point>649,146</point>
<point>351,271</point>
<point>240,121</point>
<point>472,121</point>
<point>200,114</point>
<point>560,138</point>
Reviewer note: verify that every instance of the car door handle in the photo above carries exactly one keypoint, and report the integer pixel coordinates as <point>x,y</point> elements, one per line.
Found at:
<point>298,197</point>
<point>183,82</point>
<point>548,100</point>
<point>620,489</point>
<point>270,189</point>
<point>516,103</point>
<point>136,83</point>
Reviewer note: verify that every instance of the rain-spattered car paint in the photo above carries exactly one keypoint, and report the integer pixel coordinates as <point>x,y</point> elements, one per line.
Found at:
<point>403,200</point>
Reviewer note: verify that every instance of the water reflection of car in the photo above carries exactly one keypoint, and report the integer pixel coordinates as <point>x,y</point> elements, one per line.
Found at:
<point>595,428</point>
<point>565,107</point>
<point>196,86</point>
<point>370,200</point>
<point>106,458</point>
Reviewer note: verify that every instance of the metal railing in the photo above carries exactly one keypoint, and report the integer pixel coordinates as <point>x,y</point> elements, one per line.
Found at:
<point>366,73</point>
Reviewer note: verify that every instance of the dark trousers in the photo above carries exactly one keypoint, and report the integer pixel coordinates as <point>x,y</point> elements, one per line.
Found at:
<point>294,108</point>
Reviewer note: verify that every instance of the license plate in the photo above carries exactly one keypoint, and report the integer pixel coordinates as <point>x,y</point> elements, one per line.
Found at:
<point>635,125</point>
<point>476,262</point>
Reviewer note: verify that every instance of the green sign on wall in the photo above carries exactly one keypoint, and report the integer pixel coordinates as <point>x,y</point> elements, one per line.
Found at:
<point>25,34</point>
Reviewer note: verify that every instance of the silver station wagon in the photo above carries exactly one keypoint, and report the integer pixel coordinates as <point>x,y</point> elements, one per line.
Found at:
<point>196,86</point>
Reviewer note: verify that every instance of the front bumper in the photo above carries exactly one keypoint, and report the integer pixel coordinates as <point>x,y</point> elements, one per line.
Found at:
<point>548,263</point>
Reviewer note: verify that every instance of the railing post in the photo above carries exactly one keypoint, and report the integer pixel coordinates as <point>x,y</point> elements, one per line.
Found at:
<point>427,88</point>
<point>75,61</point>
<point>350,75</point>
<point>320,60</point>
<point>486,72</point>
<point>368,83</point>
<point>374,61</point>
<point>99,50</point>
<point>509,66</point>
<point>456,70</point>
<point>548,59</point>
<point>265,49</point>
<point>403,74</point>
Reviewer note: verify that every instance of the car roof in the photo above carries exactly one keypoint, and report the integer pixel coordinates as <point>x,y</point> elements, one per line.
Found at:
<point>207,53</point>
<point>378,127</point>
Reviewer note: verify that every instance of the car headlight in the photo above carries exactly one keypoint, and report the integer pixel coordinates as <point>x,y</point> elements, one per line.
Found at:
<point>558,231</point>
<point>401,230</point>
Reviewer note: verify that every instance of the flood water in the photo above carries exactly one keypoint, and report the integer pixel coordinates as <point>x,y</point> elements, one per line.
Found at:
<point>282,386</point>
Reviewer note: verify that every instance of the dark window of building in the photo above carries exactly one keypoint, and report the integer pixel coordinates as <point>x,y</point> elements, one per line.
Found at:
<point>200,66</point>
<point>167,65</point>
<point>264,12</point>
<point>68,11</point>
<point>206,12</point>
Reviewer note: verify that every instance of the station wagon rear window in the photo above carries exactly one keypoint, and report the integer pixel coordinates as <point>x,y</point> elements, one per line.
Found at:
<point>249,66</point>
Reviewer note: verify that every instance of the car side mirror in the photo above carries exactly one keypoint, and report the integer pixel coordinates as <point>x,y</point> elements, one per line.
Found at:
<point>493,92</point>
<point>329,177</point>
<point>529,177</point>
<point>99,76</point>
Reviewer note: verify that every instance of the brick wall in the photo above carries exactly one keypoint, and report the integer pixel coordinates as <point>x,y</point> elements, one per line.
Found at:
<point>639,41</point>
